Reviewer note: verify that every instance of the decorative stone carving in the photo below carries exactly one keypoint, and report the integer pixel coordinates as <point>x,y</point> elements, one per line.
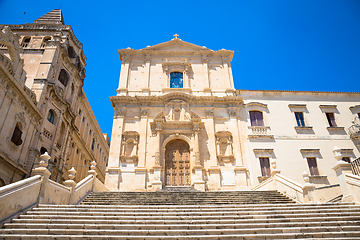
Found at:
<point>120,111</point>
<point>177,110</point>
<point>209,112</point>
<point>19,117</point>
<point>129,147</point>
<point>144,111</point>
<point>224,146</point>
<point>232,111</point>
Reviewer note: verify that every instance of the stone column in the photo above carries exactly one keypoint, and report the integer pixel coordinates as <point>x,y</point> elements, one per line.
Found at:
<point>206,70</point>
<point>226,62</point>
<point>235,133</point>
<point>240,170</point>
<point>112,177</point>
<point>210,129</point>
<point>147,69</point>
<point>156,178</point>
<point>140,171</point>
<point>123,81</point>
<point>198,183</point>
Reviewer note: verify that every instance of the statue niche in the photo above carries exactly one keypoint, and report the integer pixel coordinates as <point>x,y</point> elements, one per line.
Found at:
<point>129,147</point>
<point>177,110</point>
<point>224,146</point>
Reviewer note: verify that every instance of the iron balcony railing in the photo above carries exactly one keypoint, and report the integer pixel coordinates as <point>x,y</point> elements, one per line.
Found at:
<point>355,165</point>
<point>354,130</point>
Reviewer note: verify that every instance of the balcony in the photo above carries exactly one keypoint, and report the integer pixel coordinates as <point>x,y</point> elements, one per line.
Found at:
<point>260,132</point>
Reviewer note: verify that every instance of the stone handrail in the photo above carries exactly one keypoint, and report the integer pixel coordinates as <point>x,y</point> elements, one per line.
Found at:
<point>284,185</point>
<point>22,195</point>
<point>19,196</point>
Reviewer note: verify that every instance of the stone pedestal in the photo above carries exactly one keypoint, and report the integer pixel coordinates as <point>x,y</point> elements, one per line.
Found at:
<point>240,177</point>
<point>341,168</point>
<point>140,178</point>
<point>112,178</point>
<point>198,183</point>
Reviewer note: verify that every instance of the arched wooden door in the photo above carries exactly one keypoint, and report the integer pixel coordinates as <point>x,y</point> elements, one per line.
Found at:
<point>177,164</point>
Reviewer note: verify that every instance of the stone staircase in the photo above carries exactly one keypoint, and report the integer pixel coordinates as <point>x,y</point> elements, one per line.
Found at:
<point>195,215</point>
<point>186,198</point>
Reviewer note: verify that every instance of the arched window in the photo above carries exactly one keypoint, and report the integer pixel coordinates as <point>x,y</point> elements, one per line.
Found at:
<point>176,80</point>
<point>256,118</point>
<point>64,77</point>
<point>51,116</point>
<point>16,136</point>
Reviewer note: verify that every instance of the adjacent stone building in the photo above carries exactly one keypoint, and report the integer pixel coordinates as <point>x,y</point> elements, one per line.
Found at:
<point>43,107</point>
<point>179,122</point>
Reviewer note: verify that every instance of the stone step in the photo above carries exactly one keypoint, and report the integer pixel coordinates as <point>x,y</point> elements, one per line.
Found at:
<point>301,217</point>
<point>103,220</point>
<point>318,235</point>
<point>177,232</point>
<point>212,212</point>
<point>146,226</point>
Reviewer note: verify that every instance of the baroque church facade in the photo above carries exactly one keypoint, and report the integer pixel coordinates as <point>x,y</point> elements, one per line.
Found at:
<point>43,107</point>
<point>180,123</point>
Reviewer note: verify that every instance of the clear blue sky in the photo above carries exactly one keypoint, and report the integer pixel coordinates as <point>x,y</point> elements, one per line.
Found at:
<point>279,45</point>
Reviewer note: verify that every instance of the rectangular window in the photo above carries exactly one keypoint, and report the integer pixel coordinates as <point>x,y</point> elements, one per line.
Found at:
<point>300,119</point>
<point>265,166</point>
<point>331,119</point>
<point>256,118</point>
<point>313,166</point>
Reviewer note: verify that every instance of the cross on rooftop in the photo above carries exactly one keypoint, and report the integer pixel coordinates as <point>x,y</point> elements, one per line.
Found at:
<point>176,36</point>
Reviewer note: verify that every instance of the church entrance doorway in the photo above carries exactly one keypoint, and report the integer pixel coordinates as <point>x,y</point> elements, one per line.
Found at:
<point>177,164</point>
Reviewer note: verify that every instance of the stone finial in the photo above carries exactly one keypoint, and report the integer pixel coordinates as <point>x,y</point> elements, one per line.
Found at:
<point>93,165</point>
<point>273,168</point>
<point>72,173</point>
<point>176,36</point>
<point>92,170</point>
<point>44,160</point>
<point>305,176</point>
<point>337,153</point>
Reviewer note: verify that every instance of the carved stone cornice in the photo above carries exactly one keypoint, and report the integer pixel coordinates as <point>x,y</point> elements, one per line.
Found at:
<point>118,100</point>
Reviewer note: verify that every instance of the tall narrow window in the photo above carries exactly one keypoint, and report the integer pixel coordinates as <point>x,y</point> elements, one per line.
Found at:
<point>93,144</point>
<point>63,77</point>
<point>331,119</point>
<point>51,116</point>
<point>265,166</point>
<point>16,137</point>
<point>313,166</point>
<point>256,118</point>
<point>300,119</point>
<point>176,80</point>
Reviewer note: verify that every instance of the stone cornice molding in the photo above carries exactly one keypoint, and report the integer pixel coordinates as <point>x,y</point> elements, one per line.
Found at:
<point>121,100</point>
<point>256,104</point>
<point>48,28</point>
